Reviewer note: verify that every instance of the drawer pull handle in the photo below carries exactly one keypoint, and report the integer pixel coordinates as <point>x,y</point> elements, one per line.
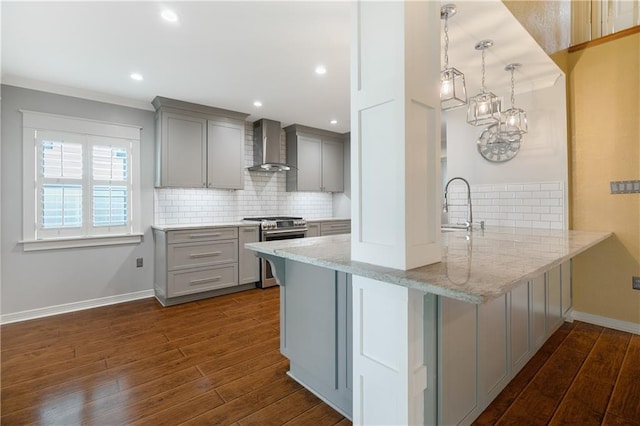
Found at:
<point>215,234</point>
<point>204,280</point>
<point>250,229</point>
<point>209,254</point>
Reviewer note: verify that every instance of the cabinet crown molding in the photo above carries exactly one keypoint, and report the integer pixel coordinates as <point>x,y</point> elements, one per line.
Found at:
<point>160,102</point>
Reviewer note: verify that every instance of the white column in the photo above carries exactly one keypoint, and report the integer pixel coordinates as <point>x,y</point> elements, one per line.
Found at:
<point>395,133</point>
<point>389,371</point>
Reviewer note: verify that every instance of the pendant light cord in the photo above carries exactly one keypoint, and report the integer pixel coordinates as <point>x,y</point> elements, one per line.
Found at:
<point>446,42</point>
<point>484,88</point>
<point>513,89</point>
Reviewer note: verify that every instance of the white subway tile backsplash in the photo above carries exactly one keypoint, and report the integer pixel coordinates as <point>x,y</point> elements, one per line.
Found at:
<point>542,209</point>
<point>528,205</point>
<point>554,186</point>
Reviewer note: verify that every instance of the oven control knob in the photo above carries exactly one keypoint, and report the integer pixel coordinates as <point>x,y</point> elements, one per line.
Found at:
<point>299,223</point>
<point>269,224</point>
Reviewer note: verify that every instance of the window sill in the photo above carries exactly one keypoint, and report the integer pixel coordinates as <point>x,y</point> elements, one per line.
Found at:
<point>93,241</point>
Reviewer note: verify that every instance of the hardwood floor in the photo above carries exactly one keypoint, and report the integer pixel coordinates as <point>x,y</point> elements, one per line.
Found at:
<point>217,361</point>
<point>583,375</point>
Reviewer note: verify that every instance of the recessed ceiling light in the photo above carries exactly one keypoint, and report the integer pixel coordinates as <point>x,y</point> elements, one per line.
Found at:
<point>135,76</point>
<point>334,122</point>
<point>169,15</point>
<point>257,104</point>
<point>321,69</point>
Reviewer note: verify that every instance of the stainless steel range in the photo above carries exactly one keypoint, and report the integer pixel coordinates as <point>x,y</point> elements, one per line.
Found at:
<point>277,228</point>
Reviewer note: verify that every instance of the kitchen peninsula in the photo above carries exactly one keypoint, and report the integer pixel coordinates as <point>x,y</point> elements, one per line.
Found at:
<point>485,310</point>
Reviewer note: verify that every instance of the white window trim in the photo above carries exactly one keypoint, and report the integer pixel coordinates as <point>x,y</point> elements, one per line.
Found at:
<point>33,121</point>
<point>74,242</point>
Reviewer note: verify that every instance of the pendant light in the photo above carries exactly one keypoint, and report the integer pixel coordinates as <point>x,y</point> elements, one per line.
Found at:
<point>484,108</point>
<point>453,93</point>
<point>514,120</point>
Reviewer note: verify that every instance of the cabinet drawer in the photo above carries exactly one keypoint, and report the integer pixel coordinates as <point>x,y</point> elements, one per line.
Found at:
<point>197,280</point>
<point>202,235</point>
<point>332,228</point>
<point>188,255</point>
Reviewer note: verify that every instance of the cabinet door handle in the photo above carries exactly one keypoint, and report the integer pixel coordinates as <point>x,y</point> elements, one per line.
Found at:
<point>209,254</point>
<point>215,234</point>
<point>204,280</point>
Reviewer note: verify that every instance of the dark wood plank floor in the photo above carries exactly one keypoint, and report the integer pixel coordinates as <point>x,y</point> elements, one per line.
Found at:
<point>583,375</point>
<point>217,361</point>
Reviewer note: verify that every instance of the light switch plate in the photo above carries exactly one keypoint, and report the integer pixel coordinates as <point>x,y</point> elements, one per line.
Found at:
<point>625,187</point>
<point>635,283</point>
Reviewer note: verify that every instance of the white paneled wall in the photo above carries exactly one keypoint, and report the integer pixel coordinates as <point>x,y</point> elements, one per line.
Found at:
<point>527,205</point>
<point>264,194</point>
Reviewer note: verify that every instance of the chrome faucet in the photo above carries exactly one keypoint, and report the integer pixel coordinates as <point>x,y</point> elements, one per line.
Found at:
<point>469,221</point>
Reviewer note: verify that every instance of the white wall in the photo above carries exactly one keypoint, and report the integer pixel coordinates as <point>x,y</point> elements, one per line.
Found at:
<point>36,280</point>
<point>541,162</point>
<point>543,153</point>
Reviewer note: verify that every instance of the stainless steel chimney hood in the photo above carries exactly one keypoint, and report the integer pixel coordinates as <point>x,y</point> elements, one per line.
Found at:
<point>266,147</point>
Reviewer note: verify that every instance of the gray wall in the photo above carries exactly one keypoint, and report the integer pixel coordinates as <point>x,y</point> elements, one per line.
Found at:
<point>33,280</point>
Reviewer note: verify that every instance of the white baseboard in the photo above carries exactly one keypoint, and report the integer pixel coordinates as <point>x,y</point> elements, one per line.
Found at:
<point>629,327</point>
<point>75,306</point>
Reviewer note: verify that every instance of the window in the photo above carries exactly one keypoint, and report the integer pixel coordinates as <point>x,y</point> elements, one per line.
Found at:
<point>85,186</point>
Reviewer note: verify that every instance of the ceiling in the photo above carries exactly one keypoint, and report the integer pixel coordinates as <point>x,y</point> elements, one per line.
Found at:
<point>230,54</point>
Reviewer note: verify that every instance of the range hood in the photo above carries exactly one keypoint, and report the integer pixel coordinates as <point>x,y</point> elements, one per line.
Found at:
<point>266,147</point>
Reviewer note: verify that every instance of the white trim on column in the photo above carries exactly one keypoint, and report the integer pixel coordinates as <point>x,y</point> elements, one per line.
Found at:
<point>389,370</point>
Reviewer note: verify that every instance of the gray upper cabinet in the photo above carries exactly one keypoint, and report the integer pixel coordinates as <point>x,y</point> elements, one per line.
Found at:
<point>318,159</point>
<point>198,146</point>
<point>332,166</point>
<point>225,154</point>
<point>184,143</point>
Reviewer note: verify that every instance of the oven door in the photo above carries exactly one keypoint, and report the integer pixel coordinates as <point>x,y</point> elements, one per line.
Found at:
<point>268,279</point>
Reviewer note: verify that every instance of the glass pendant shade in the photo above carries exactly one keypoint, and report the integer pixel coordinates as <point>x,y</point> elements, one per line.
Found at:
<point>453,92</point>
<point>514,120</point>
<point>484,108</point>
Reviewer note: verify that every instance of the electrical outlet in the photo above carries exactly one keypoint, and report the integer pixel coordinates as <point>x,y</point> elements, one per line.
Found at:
<point>139,262</point>
<point>635,283</point>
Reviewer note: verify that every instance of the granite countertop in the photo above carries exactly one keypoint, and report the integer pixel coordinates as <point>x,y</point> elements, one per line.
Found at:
<point>202,225</point>
<point>182,227</point>
<point>475,267</point>
<point>327,219</point>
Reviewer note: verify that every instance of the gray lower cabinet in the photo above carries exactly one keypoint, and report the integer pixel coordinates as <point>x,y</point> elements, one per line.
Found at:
<point>196,263</point>
<point>328,227</point>
<point>335,227</point>
<point>316,337</point>
<point>318,159</point>
<point>248,262</point>
<point>313,229</point>
<point>198,146</point>
<point>484,346</point>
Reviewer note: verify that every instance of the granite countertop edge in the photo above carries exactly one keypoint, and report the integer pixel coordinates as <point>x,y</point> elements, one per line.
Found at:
<point>336,244</point>
<point>190,226</point>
